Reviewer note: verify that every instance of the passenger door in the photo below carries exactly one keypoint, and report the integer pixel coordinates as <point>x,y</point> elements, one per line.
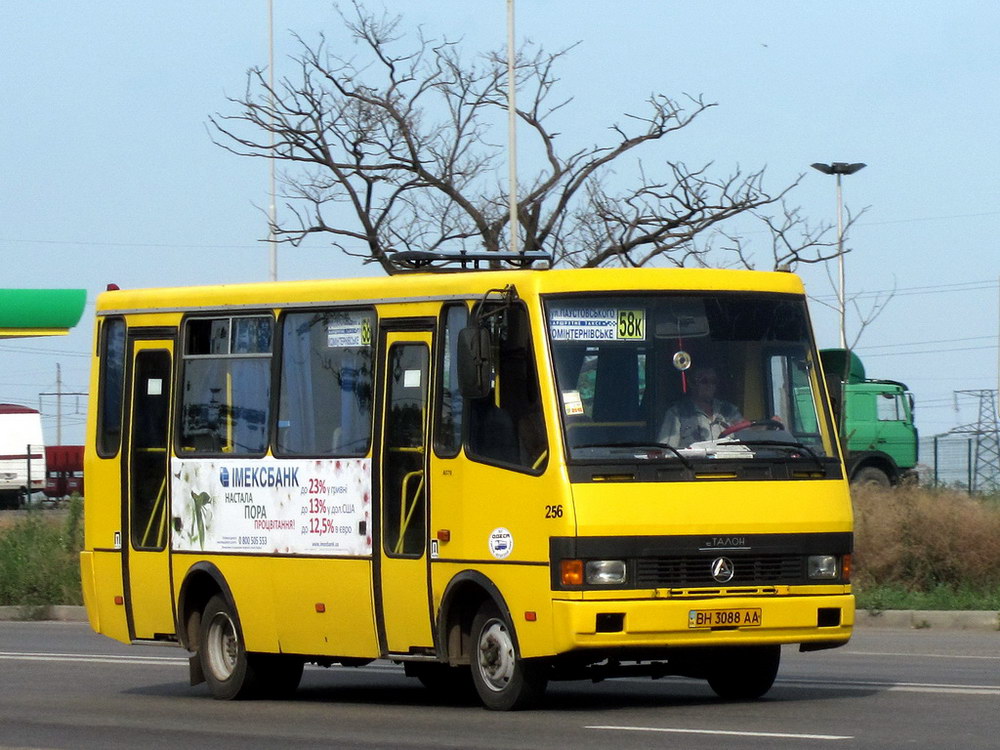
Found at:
<point>146,511</point>
<point>402,594</point>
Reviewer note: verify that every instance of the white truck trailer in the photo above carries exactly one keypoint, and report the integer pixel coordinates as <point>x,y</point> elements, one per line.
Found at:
<point>22,454</point>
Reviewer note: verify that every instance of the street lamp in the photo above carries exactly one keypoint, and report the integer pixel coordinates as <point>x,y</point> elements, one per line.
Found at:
<point>840,168</point>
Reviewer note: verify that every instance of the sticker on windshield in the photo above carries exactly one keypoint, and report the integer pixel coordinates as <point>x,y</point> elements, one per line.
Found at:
<point>597,324</point>
<point>572,403</point>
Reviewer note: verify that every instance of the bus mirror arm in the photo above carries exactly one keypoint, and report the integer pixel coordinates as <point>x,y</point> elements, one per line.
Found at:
<point>474,362</point>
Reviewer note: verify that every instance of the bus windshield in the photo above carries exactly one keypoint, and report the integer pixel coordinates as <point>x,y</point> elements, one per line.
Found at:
<point>685,377</point>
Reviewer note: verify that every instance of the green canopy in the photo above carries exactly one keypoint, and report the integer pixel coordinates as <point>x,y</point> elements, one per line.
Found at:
<point>40,312</point>
<point>835,363</point>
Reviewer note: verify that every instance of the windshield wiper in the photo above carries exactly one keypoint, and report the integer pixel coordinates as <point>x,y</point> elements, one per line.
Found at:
<point>787,444</point>
<point>642,444</point>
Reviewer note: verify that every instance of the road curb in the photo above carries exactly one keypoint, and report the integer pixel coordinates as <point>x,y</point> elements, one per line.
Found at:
<point>58,612</point>
<point>928,619</point>
<point>890,618</point>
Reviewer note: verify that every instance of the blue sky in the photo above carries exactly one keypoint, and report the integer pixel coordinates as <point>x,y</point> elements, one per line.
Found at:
<point>109,174</point>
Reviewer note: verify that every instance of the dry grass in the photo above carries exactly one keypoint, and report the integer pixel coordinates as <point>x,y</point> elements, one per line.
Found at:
<point>921,540</point>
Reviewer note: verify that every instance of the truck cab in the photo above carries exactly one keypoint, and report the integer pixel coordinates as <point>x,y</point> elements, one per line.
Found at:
<point>879,432</point>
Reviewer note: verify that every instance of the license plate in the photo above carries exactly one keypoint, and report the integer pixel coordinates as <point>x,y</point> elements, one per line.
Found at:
<point>723,618</point>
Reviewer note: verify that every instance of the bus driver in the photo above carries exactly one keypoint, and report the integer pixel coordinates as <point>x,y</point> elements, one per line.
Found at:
<point>699,415</point>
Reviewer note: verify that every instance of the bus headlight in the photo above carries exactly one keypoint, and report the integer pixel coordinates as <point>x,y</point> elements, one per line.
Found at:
<point>605,572</point>
<point>822,567</point>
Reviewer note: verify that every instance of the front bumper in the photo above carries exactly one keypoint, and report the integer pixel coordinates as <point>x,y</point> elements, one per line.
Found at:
<point>627,624</point>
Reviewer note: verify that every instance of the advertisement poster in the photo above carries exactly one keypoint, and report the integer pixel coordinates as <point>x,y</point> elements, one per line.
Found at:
<point>303,506</point>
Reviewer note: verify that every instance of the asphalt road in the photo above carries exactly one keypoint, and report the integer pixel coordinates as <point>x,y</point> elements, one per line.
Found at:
<point>65,687</point>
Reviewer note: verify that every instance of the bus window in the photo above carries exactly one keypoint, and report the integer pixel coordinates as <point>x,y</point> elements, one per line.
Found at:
<point>507,425</point>
<point>792,397</point>
<point>448,430</point>
<point>325,393</point>
<point>112,384</point>
<point>227,385</point>
<point>405,499</point>
<point>148,466</point>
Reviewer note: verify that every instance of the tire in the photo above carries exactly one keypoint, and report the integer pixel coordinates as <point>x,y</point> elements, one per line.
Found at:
<point>504,681</point>
<point>871,476</point>
<point>229,672</point>
<point>744,673</point>
<point>278,675</point>
<point>451,684</point>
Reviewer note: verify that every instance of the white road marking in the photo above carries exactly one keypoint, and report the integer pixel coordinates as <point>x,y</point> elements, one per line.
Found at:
<point>182,661</point>
<point>95,658</point>
<point>922,656</point>
<point>722,732</point>
<point>896,687</point>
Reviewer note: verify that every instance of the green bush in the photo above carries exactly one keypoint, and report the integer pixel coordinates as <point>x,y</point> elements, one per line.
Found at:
<point>40,559</point>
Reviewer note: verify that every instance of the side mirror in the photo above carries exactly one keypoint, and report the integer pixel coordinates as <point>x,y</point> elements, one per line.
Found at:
<point>474,365</point>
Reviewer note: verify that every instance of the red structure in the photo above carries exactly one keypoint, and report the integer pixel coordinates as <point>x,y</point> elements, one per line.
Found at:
<point>65,470</point>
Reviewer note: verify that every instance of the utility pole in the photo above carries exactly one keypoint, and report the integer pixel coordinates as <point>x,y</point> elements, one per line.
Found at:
<point>840,168</point>
<point>58,393</point>
<point>985,472</point>
<point>512,129</point>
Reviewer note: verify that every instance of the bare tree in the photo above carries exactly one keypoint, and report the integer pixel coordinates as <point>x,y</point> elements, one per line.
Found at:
<point>391,150</point>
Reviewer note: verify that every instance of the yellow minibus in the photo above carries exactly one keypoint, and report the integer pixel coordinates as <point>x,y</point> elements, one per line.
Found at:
<point>496,478</point>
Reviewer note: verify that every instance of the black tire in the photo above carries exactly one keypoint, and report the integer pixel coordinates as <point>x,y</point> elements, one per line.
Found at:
<point>504,681</point>
<point>278,675</point>
<point>229,672</point>
<point>871,476</point>
<point>451,684</point>
<point>744,673</point>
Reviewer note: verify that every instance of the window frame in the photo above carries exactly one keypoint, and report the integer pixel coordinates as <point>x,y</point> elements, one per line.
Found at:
<point>185,358</point>
<point>279,378</point>
<point>104,448</point>
<point>545,458</point>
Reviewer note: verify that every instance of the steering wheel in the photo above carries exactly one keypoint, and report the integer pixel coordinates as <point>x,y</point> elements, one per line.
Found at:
<point>764,424</point>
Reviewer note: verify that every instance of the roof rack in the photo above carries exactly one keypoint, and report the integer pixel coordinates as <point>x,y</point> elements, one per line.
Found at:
<point>414,261</point>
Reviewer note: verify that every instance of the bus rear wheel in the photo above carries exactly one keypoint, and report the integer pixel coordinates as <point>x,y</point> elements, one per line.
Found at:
<point>744,673</point>
<point>224,660</point>
<point>504,681</point>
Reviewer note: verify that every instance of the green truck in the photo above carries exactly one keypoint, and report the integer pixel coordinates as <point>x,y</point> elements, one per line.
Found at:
<point>878,431</point>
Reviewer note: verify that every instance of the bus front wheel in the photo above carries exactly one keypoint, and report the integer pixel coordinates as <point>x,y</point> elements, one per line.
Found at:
<point>744,673</point>
<point>504,681</point>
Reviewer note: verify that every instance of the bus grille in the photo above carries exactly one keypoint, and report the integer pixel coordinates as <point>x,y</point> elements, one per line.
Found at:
<point>695,570</point>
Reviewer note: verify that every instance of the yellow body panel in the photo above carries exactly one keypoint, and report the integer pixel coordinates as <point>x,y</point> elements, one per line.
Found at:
<point>723,508</point>
<point>102,583</point>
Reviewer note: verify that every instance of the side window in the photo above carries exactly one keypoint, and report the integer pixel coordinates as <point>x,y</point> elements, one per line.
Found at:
<point>448,419</point>
<point>112,387</point>
<point>507,426</point>
<point>325,392</point>
<point>226,390</point>
<point>791,398</point>
<point>889,408</point>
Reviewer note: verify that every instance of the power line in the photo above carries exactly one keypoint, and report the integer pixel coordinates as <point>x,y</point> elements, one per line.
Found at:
<point>922,343</point>
<point>962,286</point>
<point>150,245</point>
<point>932,351</point>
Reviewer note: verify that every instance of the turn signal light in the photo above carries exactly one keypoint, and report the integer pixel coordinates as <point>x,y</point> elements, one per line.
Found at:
<point>571,572</point>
